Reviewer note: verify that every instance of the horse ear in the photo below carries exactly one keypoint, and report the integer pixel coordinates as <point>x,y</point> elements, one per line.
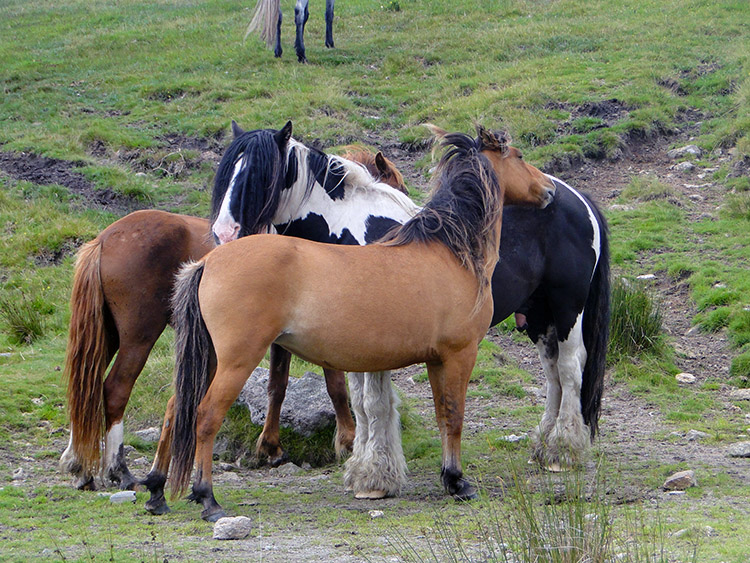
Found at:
<point>380,163</point>
<point>436,131</point>
<point>236,129</point>
<point>491,141</point>
<point>283,136</point>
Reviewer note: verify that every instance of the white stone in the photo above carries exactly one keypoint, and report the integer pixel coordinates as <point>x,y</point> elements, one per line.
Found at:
<point>694,435</point>
<point>646,277</point>
<point>376,514</point>
<point>685,377</point>
<point>18,474</point>
<point>689,150</point>
<point>149,435</point>
<point>122,497</point>
<point>740,449</point>
<point>684,166</point>
<point>232,528</point>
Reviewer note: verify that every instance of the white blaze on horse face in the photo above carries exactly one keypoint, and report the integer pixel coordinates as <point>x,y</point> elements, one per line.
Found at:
<point>226,228</point>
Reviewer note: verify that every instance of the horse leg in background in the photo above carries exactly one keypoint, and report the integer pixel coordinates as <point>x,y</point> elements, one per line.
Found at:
<point>449,381</point>
<point>301,14</point>
<point>157,477</point>
<point>269,442</point>
<point>277,52</point>
<point>377,467</point>
<point>548,353</point>
<point>345,430</point>
<point>329,24</point>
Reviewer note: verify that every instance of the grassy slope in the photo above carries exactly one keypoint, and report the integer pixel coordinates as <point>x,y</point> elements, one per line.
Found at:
<point>123,75</point>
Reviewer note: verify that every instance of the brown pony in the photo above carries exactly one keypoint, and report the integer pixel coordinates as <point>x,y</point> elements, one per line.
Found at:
<point>120,301</point>
<point>420,296</point>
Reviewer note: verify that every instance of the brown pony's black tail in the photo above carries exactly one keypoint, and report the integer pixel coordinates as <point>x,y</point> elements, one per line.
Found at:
<point>596,332</point>
<point>87,357</point>
<point>193,358</point>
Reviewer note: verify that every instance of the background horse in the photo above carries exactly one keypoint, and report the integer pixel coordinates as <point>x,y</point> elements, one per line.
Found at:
<point>120,301</point>
<point>422,296</point>
<point>268,17</point>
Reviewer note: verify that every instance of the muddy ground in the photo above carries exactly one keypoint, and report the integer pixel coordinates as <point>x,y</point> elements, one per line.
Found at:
<point>632,431</point>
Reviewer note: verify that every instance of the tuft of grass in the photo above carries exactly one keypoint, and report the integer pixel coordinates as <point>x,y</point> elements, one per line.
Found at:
<point>738,206</point>
<point>647,188</point>
<point>24,322</point>
<point>636,322</point>
<point>740,370</point>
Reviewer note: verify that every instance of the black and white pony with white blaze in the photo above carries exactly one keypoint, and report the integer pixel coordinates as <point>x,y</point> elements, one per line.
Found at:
<point>267,18</point>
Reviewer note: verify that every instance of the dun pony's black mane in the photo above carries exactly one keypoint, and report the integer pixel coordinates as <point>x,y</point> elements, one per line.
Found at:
<point>464,208</point>
<point>265,174</point>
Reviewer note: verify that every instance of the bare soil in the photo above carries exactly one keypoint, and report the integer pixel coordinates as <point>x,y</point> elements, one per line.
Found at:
<point>633,432</point>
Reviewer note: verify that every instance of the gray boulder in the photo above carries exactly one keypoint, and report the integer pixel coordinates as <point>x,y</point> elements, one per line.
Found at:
<point>306,409</point>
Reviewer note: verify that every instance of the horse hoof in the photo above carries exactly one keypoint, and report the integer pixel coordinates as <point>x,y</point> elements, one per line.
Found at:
<point>555,468</point>
<point>279,461</point>
<point>87,485</point>
<point>465,491</point>
<point>370,495</point>
<point>214,516</point>
<point>158,509</point>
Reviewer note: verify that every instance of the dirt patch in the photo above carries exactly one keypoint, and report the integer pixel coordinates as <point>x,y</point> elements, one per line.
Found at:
<point>46,171</point>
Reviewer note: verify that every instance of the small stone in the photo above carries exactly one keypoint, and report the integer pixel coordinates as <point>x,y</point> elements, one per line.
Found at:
<point>646,277</point>
<point>684,166</point>
<point>694,435</point>
<point>19,474</point>
<point>513,439</point>
<point>122,497</point>
<point>38,401</point>
<point>689,150</point>
<point>680,481</point>
<point>232,528</point>
<point>680,533</point>
<point>685,377</point>
<point>141,461</point>
<point>287,469</point>
<point>149,435</point>
<point>740,449</point>
<point>740,395</point>
<point>224,466</point>
<point>376,514</point>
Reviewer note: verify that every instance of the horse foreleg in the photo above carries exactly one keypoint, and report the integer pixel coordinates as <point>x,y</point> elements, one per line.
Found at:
<point>570,437</point>
<point>117,389</point>
<point>379,469</point>
<point>336,387</point>
<point>329,24</point>
<point>301,14</point>
<point>449,381</point>
<point>269,441</point>
<point>157,477</point>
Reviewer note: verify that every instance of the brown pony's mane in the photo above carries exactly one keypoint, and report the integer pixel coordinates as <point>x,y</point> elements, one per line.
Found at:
<point>463,212</point>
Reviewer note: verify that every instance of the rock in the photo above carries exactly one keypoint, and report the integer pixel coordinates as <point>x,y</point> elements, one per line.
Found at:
<point>19,474</point>
<point>646,277</point>
<point>689,150</point>
<point>694,435</point>
<point>513,439</point>
<point>150,435</point>
<point>680,481</point>
<point>376,514</point>
<point>306,409</point>
<point>740,394</point>
<point>140,461</point>
<point>122,497</point>
<point>740,449</point>
<point>232,528</point>
<point>287,469</point>
<point>684,166</point>
<point>685,377</point>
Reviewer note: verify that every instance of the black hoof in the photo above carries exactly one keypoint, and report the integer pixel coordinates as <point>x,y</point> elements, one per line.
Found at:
<point>86,484</point>
<point>157,509</point>
<point>465,491</point>
<point>213,516</point>
<point>330,44</point>
<point>278,461</point>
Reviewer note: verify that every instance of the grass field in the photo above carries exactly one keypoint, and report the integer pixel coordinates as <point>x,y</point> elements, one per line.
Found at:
<point>136,98</point>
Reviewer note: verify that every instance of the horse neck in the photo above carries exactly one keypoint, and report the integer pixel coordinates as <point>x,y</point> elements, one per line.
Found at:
<point>359,198</point>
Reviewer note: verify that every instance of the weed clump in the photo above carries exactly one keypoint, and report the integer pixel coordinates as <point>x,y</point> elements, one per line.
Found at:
<point>636,322</point>
<point>23,321</point>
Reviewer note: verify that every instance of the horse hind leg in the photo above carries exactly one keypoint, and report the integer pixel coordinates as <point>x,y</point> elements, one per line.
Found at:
<point>69,463</point>
<point>570,437</point>
<point>301,14</point>
<point>329,24</point>
<point>548,354</point>
<point>352,474</point>
<point>377,467</point>
<point>117,389</point>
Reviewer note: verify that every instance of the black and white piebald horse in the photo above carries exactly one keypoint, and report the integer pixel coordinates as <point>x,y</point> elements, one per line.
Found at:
<point>268,18</point>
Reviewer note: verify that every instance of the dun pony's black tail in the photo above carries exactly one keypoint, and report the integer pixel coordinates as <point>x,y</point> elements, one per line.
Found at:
<point>193,353</point>
<point>596,332</point>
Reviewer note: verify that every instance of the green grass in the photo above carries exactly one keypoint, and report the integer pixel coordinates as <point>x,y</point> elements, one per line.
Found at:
<point>106,85</point>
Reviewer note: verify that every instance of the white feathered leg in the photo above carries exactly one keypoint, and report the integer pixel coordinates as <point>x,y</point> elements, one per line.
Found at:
<point>361,432</point>
<point>377,467</point>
